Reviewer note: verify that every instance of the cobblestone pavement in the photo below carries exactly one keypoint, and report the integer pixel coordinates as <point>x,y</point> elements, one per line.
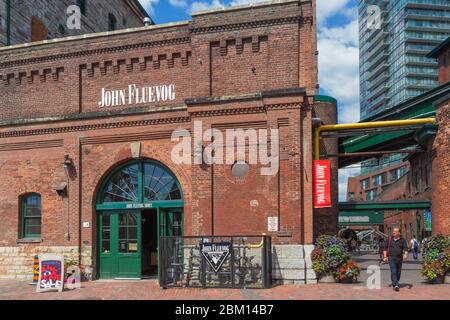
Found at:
<point>149,290</point>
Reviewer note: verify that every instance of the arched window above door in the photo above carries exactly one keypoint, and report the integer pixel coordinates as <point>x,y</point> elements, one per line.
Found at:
<point>140,182</point>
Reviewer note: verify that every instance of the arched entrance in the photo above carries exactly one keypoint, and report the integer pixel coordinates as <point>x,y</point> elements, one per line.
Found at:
<point>139,202</point>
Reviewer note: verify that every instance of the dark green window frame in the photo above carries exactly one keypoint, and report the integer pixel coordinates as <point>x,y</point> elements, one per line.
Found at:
<point>27,218</point>
<point>83,6</point>
<point>112,22</point>
<point>140,200</point>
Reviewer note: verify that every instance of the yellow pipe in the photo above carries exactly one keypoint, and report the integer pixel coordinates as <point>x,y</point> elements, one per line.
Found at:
<point>364,125</point>
<point>257,246</point>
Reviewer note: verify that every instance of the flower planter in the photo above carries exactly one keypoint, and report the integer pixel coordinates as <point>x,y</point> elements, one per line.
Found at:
<point>348,280</point>
<point>327,279</point>
<point>447,279</point>
<point>439,280</point>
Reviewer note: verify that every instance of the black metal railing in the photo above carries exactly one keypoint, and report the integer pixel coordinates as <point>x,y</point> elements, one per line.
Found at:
<point>215,262</point>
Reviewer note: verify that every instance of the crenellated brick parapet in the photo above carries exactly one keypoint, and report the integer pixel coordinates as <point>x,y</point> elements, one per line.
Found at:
<point>219,52</point>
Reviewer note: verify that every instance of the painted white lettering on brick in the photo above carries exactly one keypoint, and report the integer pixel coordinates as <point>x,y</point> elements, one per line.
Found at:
<point>136,95</point>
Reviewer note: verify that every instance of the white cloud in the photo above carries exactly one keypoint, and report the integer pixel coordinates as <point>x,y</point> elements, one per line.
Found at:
<point>179,3</point>
<point>241,2</point>
<point>149,5</point>
<point>328,8</point>
<point>202,5</point>
<point>339,68</point>
<point>206,5</point>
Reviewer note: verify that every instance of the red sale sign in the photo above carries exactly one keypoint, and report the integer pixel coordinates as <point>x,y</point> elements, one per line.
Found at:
<point>322,184</point>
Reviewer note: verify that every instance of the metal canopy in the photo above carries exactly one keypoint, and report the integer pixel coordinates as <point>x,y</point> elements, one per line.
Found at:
<point>384,205</point>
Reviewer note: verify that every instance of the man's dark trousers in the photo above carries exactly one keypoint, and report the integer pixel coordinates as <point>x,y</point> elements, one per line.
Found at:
<point>396,270</point>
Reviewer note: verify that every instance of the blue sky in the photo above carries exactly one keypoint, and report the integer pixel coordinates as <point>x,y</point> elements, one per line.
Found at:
<point>337,44</point>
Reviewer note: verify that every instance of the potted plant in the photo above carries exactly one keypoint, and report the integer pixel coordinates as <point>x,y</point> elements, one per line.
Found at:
<point>348,272</point>
<point>446,261</point>
<point>68,263</point>
<point>328,256</point>
<point>319,265</point>
<point>436,264</point>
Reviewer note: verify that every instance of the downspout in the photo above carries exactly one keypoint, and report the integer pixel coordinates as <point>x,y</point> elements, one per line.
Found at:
<point>364,125</point>
<point>8,22</point>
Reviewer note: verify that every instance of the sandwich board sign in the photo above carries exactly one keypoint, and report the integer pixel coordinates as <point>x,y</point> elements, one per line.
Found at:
<point>215,253</point>
<point>51,273</point>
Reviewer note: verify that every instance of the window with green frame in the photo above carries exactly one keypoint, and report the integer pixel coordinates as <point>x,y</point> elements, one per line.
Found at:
<point>30,216</point>
<point>83,6</point>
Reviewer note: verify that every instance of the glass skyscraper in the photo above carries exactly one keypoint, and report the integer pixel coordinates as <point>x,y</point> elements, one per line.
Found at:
<point>395,36</point>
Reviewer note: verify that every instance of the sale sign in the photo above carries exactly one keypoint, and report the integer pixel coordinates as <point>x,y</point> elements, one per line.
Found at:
<point>322,184</point>
<point>51,273</point>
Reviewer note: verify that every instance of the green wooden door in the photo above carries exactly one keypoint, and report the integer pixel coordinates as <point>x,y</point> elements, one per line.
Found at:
<point>120,245</point>
<point>107,255</point>
<point>170,223</point>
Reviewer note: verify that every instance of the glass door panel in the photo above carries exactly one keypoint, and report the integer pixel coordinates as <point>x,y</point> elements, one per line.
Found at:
<point>128,244</point>
<point>120,252</point>
<point>107,253</point>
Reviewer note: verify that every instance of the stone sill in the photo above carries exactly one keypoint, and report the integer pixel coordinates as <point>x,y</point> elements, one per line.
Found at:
<point>26,241</point>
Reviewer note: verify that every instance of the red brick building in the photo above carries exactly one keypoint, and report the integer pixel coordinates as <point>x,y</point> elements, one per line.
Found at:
<point>440,148</point>
<point>428,177</point>
<point>87,146</point>
<point>369,186</point>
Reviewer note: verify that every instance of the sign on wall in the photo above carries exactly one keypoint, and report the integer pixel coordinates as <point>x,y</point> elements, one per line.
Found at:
<point>272,224</point>
<point>428,218</point>
<point>216,253</point>
<point>134,95</point>
<point>51,273</point>
<point>322,183</point>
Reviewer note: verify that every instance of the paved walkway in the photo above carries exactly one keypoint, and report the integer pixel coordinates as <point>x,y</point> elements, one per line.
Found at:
<point>413,287</point>
<point>149,290</point>
<point>410,270</point>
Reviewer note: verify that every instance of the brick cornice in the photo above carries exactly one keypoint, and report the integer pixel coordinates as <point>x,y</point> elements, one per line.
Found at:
<point>248,25</point>
<point>84,53</point>
<point>140,123</point>
<point>90,127</point>
<point>243,110</point>
<point>167,134</point>
<point>32,145</point>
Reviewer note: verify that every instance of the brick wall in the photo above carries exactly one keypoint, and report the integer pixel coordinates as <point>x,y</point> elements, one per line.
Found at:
<point>441,175</point>
<point>444,65</point>
<point>53,16</point>
<point>354,184</point>
<point>231,69</point>
<point>325,219</point>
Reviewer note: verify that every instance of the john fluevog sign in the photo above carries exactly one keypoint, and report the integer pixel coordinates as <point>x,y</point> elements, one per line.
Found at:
<point>216,253</point>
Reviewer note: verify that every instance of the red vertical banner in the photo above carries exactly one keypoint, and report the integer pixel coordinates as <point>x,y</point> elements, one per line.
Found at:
<point>322,184</point>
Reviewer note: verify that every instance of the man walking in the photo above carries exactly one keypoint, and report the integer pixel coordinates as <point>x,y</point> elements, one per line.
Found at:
<point>415,247</point>
<point>396,250</point>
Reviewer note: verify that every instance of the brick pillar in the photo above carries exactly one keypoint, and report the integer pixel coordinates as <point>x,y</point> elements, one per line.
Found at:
<point>441,170</point>
<point>326,220</point>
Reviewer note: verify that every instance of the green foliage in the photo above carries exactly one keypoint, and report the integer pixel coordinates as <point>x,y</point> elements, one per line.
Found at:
<point>331,254</point>
<point>433,270</point>
<point>348,269</point>
<point>437,242</point>
<point>437,257</point>
<point>69,263</point>
<point>319,264</point>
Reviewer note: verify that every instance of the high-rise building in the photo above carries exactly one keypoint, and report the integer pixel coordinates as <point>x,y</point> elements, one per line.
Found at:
<point>395,37</point>
<point>29,20</point>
